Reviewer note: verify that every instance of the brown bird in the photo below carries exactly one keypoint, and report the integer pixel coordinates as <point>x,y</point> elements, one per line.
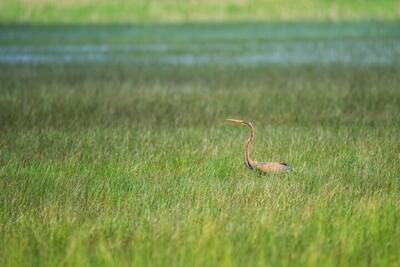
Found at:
<point>265,167</point>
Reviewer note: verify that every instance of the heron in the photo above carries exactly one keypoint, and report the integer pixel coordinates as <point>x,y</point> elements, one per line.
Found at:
<point>264,167</point>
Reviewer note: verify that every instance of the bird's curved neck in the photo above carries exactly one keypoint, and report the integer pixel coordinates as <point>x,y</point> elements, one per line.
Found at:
<point>247,160</point>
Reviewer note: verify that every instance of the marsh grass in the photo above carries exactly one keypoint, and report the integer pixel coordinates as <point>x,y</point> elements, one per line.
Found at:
<point>116,165</point>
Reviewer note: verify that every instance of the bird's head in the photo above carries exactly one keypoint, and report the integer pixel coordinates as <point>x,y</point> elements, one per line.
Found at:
<point>239,122</point>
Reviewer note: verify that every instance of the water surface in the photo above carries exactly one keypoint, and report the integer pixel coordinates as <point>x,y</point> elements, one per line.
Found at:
<point>190,44</point>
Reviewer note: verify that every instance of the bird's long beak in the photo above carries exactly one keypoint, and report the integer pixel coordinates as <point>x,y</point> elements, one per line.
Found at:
<point>235,121</point>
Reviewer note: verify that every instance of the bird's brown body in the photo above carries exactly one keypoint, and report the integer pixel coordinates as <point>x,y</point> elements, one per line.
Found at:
<point>271,166</point>
<point>265,167</point>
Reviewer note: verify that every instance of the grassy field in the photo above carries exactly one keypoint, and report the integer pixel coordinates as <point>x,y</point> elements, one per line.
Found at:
<point>123,11</point>
<point>126,163</point>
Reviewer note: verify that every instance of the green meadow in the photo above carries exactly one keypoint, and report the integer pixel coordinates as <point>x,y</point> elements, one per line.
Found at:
<point>114,149</point>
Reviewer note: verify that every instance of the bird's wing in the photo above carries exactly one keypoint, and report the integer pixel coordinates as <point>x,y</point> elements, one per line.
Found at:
<point>271,167</point>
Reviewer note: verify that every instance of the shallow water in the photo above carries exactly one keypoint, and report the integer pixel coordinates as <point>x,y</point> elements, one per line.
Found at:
<point>240,44</point>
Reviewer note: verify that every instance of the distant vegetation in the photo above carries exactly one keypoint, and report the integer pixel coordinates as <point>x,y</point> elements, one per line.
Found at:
<point>103,11</point>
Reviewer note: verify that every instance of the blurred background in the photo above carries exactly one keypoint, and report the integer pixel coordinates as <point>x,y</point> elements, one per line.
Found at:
<point>200,32</point>
<point>124,11</point>
<point>199,48</point>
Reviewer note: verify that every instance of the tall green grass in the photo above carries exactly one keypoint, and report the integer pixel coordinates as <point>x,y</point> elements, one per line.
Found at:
<point>114,165</point>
